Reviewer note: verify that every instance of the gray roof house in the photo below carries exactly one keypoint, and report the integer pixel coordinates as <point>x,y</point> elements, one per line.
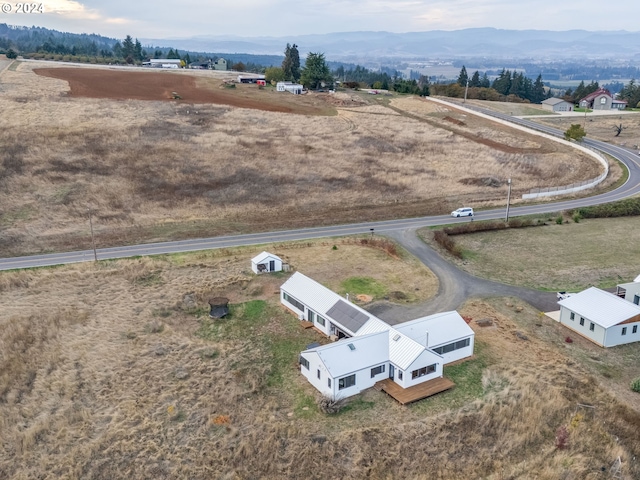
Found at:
<point>557,105</point>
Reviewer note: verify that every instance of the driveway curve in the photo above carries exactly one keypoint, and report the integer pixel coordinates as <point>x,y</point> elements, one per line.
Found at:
<point>455,286</point>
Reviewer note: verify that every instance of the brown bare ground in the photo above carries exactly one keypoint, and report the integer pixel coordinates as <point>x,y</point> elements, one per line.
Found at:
<point>102,376</point>
<point>160,170</point>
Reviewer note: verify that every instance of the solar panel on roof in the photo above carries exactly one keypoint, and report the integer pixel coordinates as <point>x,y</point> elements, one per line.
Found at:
<point>347,315</point>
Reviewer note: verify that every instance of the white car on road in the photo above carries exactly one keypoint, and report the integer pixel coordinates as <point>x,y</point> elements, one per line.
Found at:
<point>463,212</point>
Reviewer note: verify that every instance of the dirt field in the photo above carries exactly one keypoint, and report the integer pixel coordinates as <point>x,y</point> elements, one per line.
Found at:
<point>160,85</point>
<point>114,370</point>
<point>157,170</point>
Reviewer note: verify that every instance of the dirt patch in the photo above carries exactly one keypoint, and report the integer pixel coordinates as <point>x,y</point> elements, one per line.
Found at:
<point>160,86</point>
<point>454,121</point>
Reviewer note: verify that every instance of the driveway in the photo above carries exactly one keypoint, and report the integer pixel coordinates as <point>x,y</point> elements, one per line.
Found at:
<point>455,286</point>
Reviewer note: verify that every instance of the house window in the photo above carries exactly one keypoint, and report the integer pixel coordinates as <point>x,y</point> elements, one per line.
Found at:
<point>581,322</point>
<point>304,362</point>
<point>310,315</point>
<point>421,372</point>
<point>329,382</point>
<point>293,301</point>
<point>346,382</point>
<point>377,371</point>
<point>453,346</point>
<point>320,320</point>
<point>592,327</point>
<point>624,330</point>
<point>634,329</point>
<point>399,374</point>
<point>572,316</point>
<point>636,299</point>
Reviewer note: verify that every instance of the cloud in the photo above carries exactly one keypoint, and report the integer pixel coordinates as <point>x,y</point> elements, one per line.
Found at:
<point>70,10</point>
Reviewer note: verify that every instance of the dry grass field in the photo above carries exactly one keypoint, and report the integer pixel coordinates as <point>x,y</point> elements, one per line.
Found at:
<point>114,370</point>
<point>570,257</point>
<point>157,170</point>
<point>511,108</point>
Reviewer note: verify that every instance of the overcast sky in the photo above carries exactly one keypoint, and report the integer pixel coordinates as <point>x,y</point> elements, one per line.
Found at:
<point>185,18</point>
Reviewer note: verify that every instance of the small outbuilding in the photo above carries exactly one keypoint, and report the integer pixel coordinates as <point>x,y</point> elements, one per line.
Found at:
<point>557,105</point>
<point>266,262</point>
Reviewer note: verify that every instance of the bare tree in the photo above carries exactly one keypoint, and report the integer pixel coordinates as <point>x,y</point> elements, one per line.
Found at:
<point>618,129</point>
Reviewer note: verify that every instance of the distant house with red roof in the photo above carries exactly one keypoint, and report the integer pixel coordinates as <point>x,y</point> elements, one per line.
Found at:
<point>602,99</point>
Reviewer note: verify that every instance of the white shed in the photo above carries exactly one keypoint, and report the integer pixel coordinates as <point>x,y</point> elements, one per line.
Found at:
<point>266,262</point>
<point>602,317</point>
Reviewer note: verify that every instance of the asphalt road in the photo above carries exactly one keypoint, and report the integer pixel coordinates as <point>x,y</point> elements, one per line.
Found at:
<point>630,188</point>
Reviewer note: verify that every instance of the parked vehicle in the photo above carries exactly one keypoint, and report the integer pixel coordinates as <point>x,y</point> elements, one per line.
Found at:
<point>563,295</point>
<point>463,212</point>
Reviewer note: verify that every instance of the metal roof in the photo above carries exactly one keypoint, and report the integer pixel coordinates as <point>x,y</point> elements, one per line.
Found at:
<point>339,359</point>
<point>347,315</point>
<point>600,307</point>
<point>442,328</point>
<point>315,296</point>
<point>261,257</point>
<point>554,101</point>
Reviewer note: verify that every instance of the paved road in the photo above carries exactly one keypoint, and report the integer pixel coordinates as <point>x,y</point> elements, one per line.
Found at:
<point>630,188</point>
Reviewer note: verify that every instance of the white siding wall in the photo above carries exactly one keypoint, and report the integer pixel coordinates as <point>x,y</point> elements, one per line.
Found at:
<point>312,374</point>
<point>614,335</point>
<point>363,381</point>
<point>323,328</point>
<point>598,333</point>
<point>425,359</point>
<point>632,290</point>
<point>277,267</point>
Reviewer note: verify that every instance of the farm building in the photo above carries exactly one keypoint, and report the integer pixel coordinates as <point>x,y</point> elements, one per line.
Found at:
<point>602,317</point>
<point>290,87</point>
<point>165,62</point>
<point>368,350</point>
<point>557,105</point>
<point>221,64</point>
<point>250,78</point>
<point>266,262</point>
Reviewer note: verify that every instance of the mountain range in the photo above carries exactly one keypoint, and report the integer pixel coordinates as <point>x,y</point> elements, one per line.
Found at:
<point>473,42</point>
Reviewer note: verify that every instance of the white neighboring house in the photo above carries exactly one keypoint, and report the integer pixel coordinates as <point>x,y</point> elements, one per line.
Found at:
<point>165,62</point>
<point>290,87</point>
<point>266,262</point>
<point>602,317</point>
<point>369,349</point>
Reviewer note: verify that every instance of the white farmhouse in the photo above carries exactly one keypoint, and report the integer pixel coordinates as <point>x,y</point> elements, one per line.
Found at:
<point>369,350</point>
<point>290,87</point>
<point>602,317</point>
<point>266,262</point>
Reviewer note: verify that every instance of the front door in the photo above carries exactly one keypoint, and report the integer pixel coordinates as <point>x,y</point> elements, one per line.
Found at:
<point>272,265</point>
<point>391,371</point>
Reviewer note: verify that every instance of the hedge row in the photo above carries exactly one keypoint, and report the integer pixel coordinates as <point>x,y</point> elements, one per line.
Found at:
<point>443,237</point>
<point>624,208</point>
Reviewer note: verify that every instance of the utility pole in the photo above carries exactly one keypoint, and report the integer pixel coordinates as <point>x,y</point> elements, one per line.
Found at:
<point>465,91</point>
<point>93,241</point>
<point>508,199</point>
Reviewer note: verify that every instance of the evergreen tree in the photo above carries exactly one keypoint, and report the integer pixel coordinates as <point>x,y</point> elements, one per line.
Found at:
<point>315,72</point>
<point>502,84</point>
<point>295,62</point>
<point>287,64</point>
<point>423,84</point>
<point>157,54</point>
<point>463,77</point>
<point>128,47</point>
<point>137,51</point>
<point>117,49</point>
<point>538,93</point>
<point>485,82</point>
<point>475,79</point>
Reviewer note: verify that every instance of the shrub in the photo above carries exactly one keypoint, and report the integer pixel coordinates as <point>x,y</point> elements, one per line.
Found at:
<point>568,340</point>
<point>623,208</point>
<point>576,217</point>
<point>559,220</point>
<point>446,242</point>
<point>335,247</point>
<point>635,385</point>
<point>329,406</point>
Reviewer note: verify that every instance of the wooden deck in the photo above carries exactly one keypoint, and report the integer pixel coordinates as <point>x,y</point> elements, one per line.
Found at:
<point>306,324</point>
<point>415,393</point>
